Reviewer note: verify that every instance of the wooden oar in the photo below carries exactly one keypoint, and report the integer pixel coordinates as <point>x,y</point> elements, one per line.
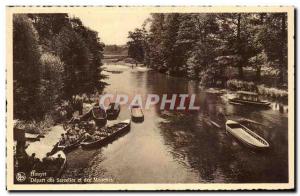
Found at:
<point>215,124</point>
<point>251,121</point>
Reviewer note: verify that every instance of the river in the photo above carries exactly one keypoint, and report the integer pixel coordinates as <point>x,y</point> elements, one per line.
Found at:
<point>182,147</point>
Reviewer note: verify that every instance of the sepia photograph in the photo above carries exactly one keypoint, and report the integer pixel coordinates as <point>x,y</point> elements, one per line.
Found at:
<point>150,98</point>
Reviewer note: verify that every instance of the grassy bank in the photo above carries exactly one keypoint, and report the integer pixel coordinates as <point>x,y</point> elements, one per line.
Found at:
<point>270,92</point>
<point>58,114</point>
<point>35,127</point>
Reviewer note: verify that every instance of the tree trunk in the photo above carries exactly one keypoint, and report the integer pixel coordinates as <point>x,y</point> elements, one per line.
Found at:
<point>240,65</point>
<point>258,73</point>
<point>282,60</point>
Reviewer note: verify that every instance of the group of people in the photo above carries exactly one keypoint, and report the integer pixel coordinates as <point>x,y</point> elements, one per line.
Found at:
<point>30,163</point>
<point>74,133</point>
<point>50,162</point>
<point>66,109</point>
<point>84,130</point>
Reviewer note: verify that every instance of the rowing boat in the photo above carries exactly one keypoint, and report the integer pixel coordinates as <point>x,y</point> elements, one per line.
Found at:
<point>55,166</point>
<point>113,110</point>
<point>108,135</point>
<point>99,116</point>
<point>137,114</point>
<point>70,147</point>
<point>245,135</point>
<point>248,98</point>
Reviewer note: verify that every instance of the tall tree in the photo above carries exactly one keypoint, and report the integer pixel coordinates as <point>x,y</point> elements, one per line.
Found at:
<point>205,46</point>
<point>74,52</point>
<point>136,45</point>
<point>155,55</point>
<point>26,55</point>
<point>172,53</point>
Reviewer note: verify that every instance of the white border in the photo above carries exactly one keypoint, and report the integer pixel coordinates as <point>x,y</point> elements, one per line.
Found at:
<point>104,2</point>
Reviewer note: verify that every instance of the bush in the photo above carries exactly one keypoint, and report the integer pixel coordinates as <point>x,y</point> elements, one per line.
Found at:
<point>275,93</point>
<point>241,85</point>
<point>51,82</point>
<point>35,127</point>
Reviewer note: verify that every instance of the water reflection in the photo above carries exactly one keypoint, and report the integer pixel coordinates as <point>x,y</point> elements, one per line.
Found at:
<point>184,147</point>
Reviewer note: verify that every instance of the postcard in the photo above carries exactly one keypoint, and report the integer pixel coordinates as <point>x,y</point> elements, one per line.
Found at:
<point>150,98</point>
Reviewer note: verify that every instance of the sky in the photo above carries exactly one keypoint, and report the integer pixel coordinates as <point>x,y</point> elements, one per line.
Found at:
<point>113,27</point>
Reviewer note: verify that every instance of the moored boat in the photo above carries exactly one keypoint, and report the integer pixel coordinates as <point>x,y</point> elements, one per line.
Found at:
<point>137,114</point>
<point>53,165</point>
<point>113,110</point>
<point>32,137</point>
<point>245,135</point>
<point>99,115</point>
<point>248,98</point>
<point>68,147</point>
<point>107,135</point>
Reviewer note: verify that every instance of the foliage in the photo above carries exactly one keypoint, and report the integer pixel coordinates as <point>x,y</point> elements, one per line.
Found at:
<point>116,50</point>
<point>51,84</point>
<point>136,45</point>
<point>241,85</point>
<point>203,46</point>
<point>26,55</point>
<point>54,57</point>
<point>273,92</point>
<point>260,89</point>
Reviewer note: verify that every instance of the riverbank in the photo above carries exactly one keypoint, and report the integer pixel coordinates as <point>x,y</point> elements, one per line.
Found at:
<point>263,89</point>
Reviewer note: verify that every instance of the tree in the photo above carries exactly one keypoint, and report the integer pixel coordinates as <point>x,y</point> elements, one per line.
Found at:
<point>273,37</point>
<point>26,55</point>
<point>95,47</point>
<point>172,53</point>
<point>48,26</point>
<point>51,81</point>
<point>136,45</point>
<point>204,46</point>
<point>202,52</point>
<point>154,56</point>
<point>75,54</point>
<point>54,57</point>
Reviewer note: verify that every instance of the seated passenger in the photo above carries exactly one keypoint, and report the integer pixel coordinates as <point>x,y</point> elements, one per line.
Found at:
<point>48,160</point>
<point>32,160</point>
<point>59,160</point>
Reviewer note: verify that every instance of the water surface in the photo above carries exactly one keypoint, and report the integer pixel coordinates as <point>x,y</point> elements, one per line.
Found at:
<point>182,147</point>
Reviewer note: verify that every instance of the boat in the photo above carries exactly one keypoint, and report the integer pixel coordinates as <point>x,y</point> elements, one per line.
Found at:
<point>248,98</point>
<point>245,135</point>
<point>113,110</point>
<point>99,115</point>
<point>53,167</point>
<point>70,147</point>
<point>137,114</point>
<point>32,137</point>
<point>108,135</point>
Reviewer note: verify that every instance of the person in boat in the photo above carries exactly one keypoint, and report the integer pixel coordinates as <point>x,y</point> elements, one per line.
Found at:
<point>74,120</point>
<point>76,132</point>
<point>59,160</point>
<point>32,160</point>
<point>79,104</point>
<point>81,132</point>
<point>97,137</point>
<point>48,160</point>
<point>62,139</point>
<point>67,140</point>
<point>89,137</point>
